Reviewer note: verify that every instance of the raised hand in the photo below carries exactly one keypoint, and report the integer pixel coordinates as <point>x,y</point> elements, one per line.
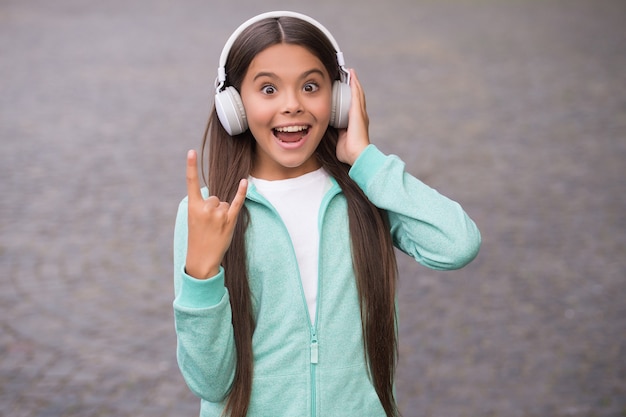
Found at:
<point>354,139</point>
<point>211,223</point>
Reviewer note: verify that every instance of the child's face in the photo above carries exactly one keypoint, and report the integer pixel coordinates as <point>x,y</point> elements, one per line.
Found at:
<point>287,96</point>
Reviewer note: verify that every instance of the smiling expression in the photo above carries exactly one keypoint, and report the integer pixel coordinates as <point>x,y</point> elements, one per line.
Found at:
<point>286,93</point>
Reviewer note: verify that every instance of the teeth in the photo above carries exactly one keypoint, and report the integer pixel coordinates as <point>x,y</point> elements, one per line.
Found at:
<point>291,129</point>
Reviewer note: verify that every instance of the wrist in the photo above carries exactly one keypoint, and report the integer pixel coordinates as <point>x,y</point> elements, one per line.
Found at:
<point>355,153</point>
<point>202,262</point>
<point>205,271</point>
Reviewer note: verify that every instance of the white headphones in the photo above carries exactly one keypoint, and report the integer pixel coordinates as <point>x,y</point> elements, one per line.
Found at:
<point>228,102</point>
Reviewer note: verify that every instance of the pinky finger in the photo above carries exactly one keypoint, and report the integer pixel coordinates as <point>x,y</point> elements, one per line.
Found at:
<point>239,199</point>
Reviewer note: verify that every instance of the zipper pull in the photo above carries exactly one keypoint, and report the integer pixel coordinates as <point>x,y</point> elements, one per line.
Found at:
<point>314,346</point>
<point>314,350</point>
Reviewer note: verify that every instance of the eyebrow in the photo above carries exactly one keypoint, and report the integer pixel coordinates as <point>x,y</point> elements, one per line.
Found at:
<point>305,74</point>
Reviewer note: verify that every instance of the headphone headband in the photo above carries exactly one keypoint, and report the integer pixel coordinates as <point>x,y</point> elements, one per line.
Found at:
<point>221,71</point>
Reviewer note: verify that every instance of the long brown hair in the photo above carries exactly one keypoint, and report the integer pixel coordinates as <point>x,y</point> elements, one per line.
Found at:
<point>373,258</point>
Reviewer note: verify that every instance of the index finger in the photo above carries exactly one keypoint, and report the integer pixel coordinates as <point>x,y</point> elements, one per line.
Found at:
<point>193,184</point>
<point>357,89</point>
<point>239,199</point>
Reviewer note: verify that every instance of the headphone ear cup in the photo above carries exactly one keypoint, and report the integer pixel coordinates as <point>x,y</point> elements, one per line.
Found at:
<point>340,106</point>
<point>230,111</point>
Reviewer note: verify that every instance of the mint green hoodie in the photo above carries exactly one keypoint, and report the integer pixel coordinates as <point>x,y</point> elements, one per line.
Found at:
<point>309,366</point>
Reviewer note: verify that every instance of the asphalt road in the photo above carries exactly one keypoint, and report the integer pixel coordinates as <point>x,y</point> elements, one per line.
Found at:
<point>516,109</point>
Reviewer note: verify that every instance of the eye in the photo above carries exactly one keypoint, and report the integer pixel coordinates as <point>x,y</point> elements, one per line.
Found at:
<point>268,89</point>
<point>311,87</point>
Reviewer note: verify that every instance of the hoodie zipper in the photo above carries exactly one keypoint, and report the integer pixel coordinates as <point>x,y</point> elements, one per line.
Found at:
<point>314,343</point>
<point>314,359</point>
<point>334,189</point>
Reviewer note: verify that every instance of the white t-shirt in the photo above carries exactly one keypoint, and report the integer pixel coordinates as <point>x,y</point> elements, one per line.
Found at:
<point>298,202</point>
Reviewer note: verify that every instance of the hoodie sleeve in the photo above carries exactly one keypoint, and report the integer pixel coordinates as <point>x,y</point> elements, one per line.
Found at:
<point>426,225</point>
<point>202,318</point>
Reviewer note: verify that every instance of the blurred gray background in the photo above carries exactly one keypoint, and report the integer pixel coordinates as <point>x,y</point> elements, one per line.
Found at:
<point>514,108</point>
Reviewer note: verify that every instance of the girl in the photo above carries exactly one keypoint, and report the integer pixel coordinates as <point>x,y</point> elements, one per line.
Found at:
<point>285,297</point>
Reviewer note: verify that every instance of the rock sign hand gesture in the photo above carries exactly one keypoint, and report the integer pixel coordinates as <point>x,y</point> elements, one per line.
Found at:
<point>210,223</point>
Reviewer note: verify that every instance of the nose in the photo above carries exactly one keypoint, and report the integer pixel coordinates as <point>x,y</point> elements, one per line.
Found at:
<point>292,103</point>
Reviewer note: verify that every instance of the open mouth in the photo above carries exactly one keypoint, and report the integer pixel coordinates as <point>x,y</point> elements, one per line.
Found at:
<point>291,134</point>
